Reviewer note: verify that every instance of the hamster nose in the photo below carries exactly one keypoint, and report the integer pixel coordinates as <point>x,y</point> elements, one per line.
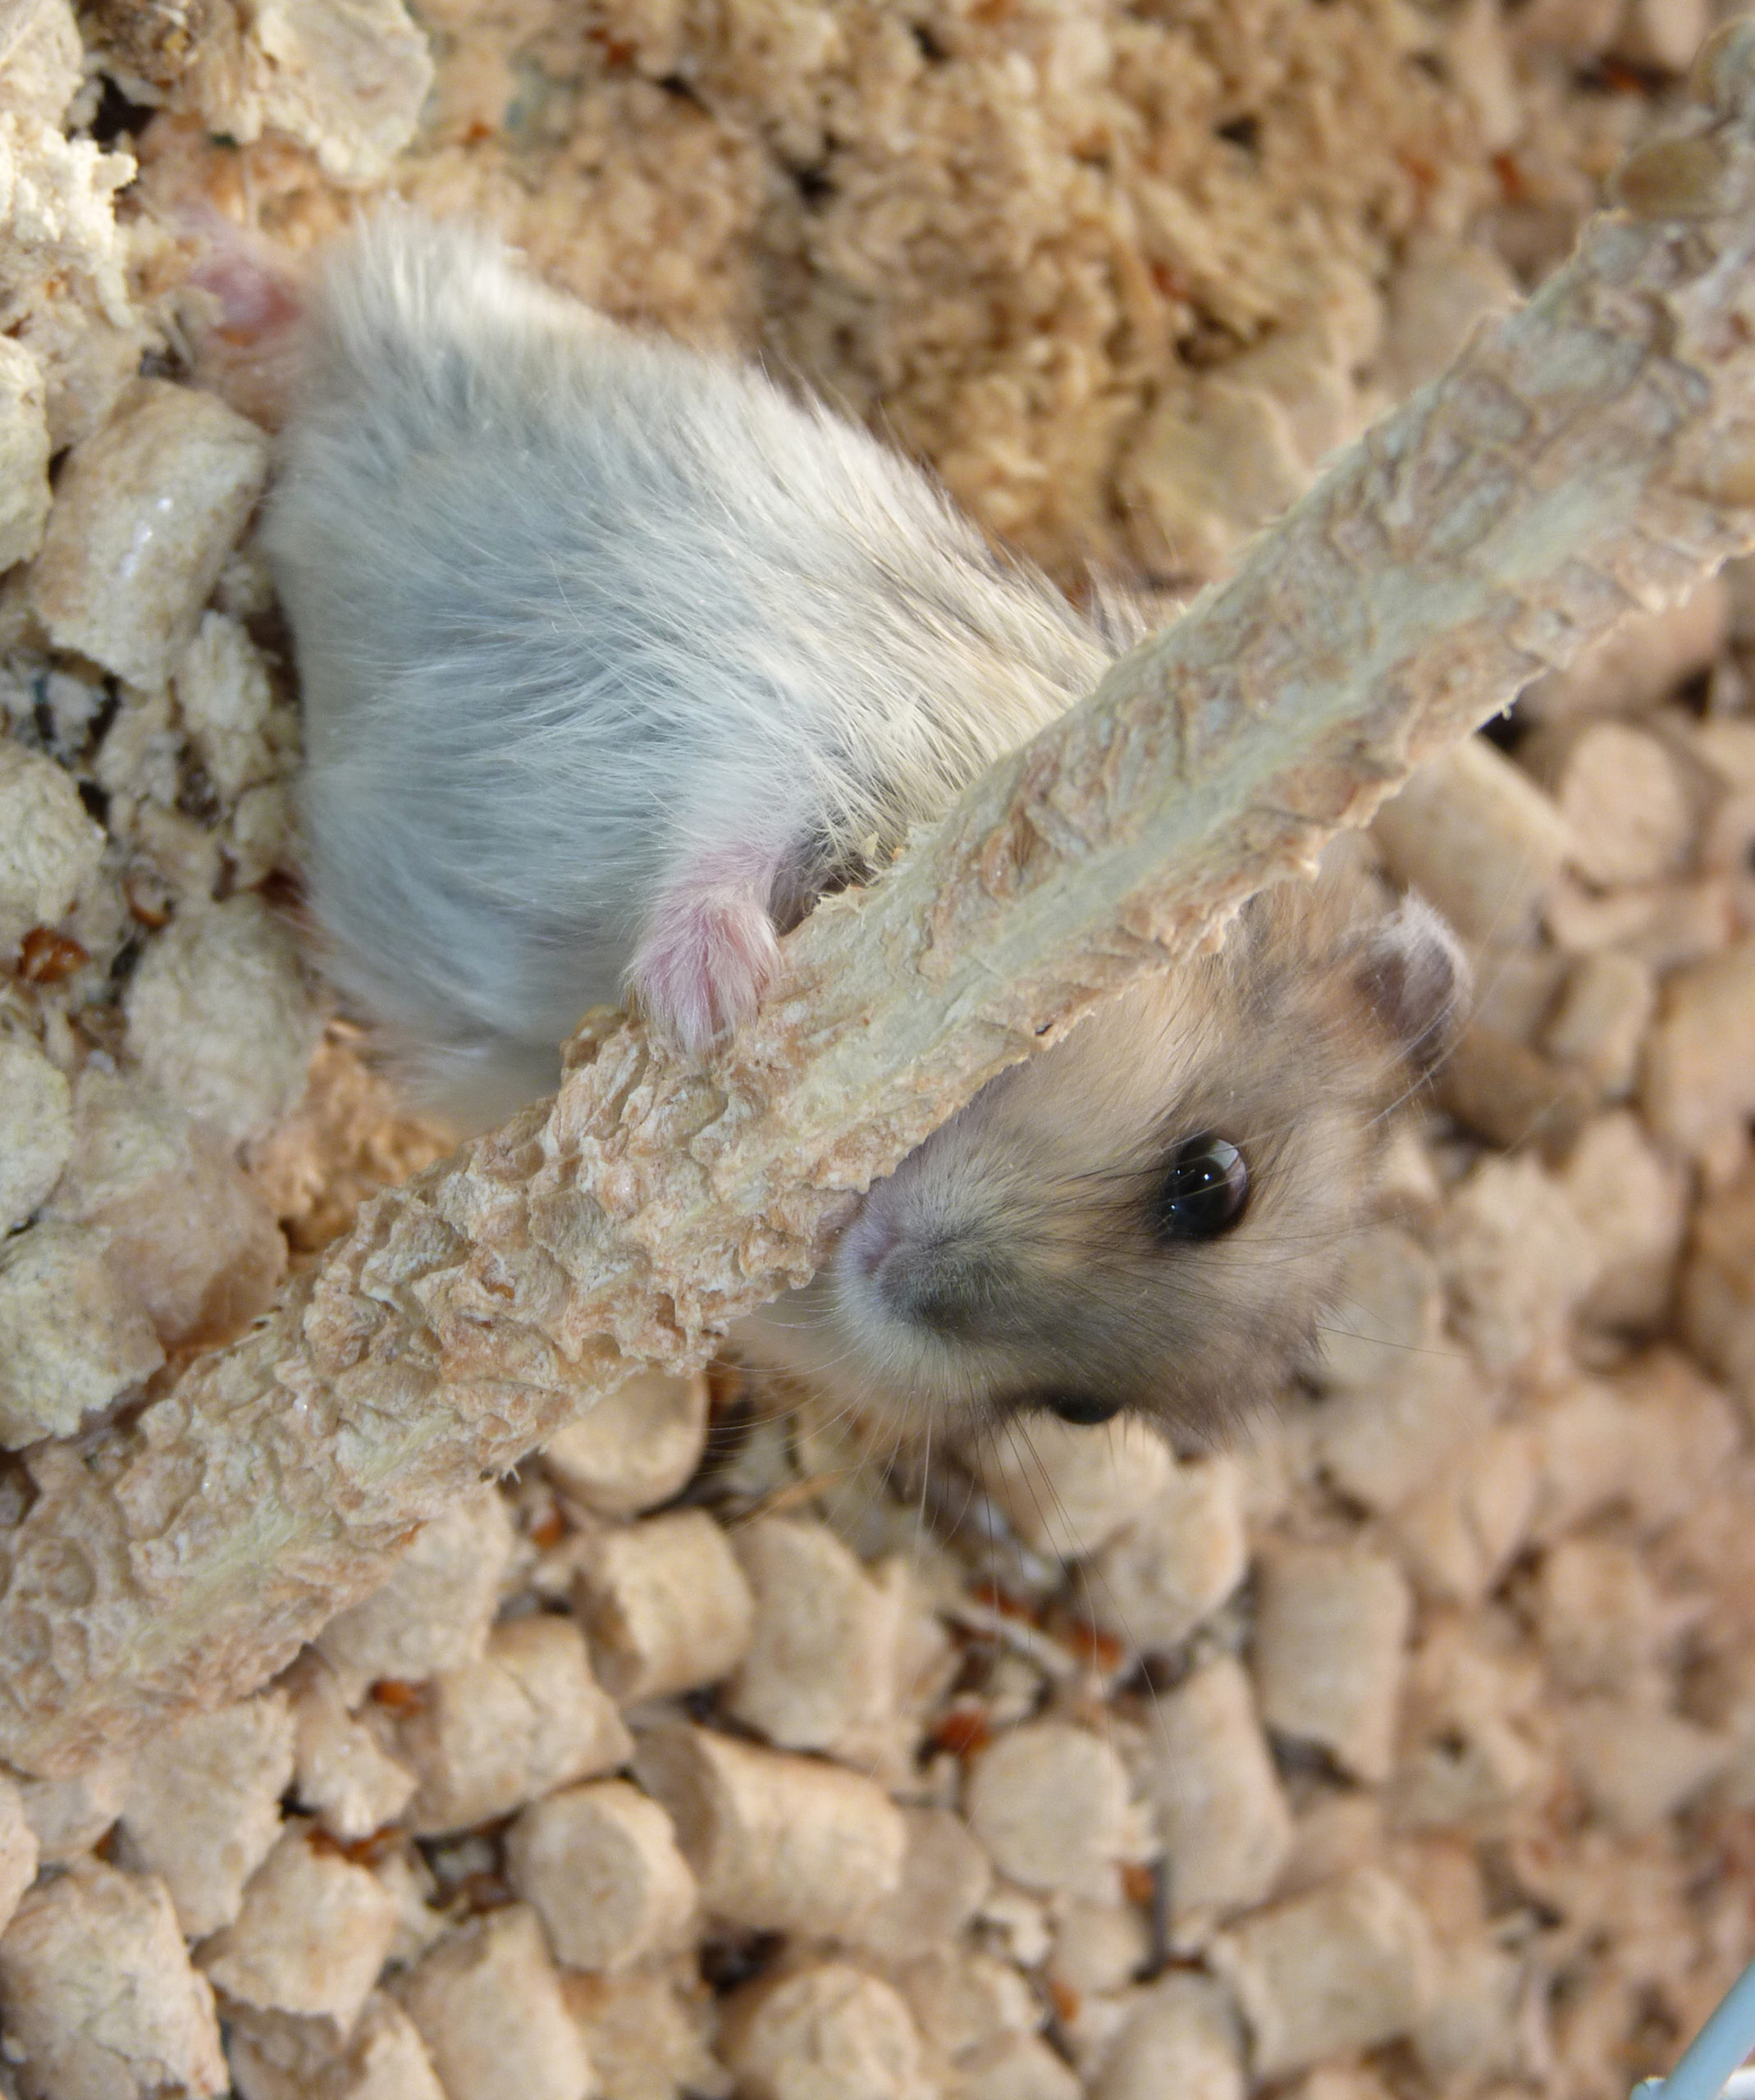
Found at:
<point>870,1240</point>
<point>944,1285</point>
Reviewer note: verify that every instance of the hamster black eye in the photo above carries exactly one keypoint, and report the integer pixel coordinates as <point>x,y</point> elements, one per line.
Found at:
<point>1203,1192</point>
<point>1085,1410</point>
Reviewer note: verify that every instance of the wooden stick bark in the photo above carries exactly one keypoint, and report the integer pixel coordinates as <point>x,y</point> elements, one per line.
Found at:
<point>1595,451</point>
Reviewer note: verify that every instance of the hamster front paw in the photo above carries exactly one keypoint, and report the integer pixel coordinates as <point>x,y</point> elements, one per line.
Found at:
<point>708,949</point>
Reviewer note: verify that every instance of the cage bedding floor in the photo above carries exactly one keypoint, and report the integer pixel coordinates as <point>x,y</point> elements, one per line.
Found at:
<point>1408,1750</point>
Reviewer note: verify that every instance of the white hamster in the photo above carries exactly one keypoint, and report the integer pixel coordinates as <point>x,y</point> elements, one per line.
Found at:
<point>614,658</point>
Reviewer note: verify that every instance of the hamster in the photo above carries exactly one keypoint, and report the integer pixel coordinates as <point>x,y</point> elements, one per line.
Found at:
<point>615,657</point>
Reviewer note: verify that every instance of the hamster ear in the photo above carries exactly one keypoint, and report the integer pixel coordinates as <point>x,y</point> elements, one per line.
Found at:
<point>1122,617</point>
<point>1417,975</point>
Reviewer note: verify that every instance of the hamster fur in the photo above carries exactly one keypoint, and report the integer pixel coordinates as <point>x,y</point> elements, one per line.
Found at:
<point>614,658</point>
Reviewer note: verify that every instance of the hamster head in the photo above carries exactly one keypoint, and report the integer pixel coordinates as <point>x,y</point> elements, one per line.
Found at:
<point>1152,1215</point>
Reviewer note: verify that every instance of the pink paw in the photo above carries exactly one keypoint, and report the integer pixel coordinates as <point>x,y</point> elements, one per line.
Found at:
<point>708,951</point>
<point>244,348</point>
<point>256,301</point>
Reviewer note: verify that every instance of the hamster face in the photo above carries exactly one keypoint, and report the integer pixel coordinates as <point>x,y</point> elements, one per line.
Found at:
<point>1152,1215</point>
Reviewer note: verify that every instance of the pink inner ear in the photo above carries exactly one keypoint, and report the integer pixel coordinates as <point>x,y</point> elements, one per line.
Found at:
<point>708,949</point>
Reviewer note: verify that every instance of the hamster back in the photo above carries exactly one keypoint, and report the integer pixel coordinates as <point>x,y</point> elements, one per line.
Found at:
<point>614,658</point>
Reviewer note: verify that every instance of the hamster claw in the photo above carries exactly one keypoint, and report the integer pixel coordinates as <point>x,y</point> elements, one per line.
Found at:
<point>708,951</point>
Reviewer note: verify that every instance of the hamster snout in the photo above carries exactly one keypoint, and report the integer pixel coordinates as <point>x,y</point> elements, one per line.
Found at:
<point>614,660</point>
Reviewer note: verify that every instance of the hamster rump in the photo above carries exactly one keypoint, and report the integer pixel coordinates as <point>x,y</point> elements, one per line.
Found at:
<point>614,658</point>
<point>1153,1215</point>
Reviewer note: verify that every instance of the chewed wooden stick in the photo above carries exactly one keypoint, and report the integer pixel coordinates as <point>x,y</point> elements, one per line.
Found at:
<point>1595,451</point>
